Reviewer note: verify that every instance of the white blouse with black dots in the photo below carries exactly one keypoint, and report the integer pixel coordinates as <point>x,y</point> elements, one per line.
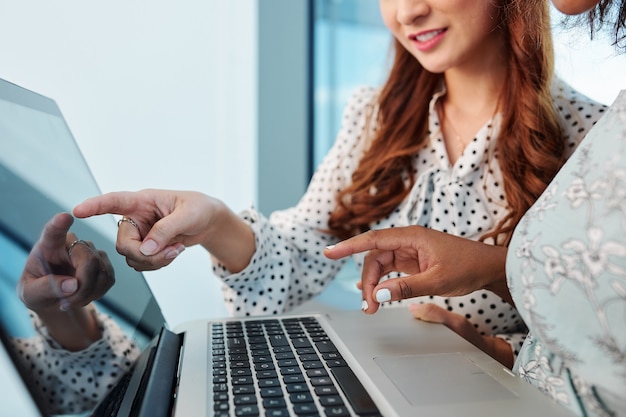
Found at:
<point>466,199</point>
<point>73,382</point>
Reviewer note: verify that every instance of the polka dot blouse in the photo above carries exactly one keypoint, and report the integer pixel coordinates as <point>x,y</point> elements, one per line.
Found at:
<point>465,199</point>
<point>73,382</point>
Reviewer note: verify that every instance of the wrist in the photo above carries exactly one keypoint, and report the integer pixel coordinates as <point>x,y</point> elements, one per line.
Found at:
<point>74,329</point>
<point>495,274</point>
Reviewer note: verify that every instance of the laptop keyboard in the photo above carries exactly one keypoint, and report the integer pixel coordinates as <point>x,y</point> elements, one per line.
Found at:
<point>282,367</point>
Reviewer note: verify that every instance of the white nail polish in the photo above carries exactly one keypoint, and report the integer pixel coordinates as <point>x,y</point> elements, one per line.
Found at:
<point>383,295</point>
<point>364,305</point>
<point>330,246</point>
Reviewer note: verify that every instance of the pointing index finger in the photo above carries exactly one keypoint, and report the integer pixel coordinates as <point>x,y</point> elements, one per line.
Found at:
<point>55,231</point>
<point>113,203</point>
<point>370,240</point>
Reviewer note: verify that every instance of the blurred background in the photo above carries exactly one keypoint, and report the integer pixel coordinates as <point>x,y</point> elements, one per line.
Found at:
<point>238,99</point>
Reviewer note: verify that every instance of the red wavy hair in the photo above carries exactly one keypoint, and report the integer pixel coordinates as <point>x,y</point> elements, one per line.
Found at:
<point>530,146</point>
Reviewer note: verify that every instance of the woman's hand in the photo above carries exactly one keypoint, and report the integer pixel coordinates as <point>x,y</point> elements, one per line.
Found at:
<point>62,276</point>
<point>159,224</point>
<point>437,263</point>
<point>495,347</point>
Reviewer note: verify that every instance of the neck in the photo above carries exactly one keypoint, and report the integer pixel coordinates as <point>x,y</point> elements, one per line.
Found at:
<point>467,106</point>
<point>473,95</point>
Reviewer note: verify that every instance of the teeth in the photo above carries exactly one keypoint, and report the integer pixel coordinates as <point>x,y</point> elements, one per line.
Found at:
<point>425,37</point>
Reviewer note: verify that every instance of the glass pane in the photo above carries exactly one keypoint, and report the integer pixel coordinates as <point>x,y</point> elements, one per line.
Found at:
<point>351,49</point>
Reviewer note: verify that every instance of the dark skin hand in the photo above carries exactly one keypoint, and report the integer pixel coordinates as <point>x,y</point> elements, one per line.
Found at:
<point>437,263</point>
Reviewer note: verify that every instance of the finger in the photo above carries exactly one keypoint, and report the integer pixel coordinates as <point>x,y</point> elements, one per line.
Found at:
<point>115,203</point>
<point>128,243</point>
<point>164,232</point>
<point>94,273</point>
<point>425,280</point>
<point>47,291</point>
<point>429,312</point>
<point>150,263</point>
<point>54,233</point>
<point>374,268</point>
<point>129,228</point>
<point>128,233</point>
<point>372,239</point>
<point>434,314</point>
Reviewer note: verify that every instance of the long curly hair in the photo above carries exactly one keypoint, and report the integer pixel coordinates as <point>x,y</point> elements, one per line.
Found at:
<point>530,147</point>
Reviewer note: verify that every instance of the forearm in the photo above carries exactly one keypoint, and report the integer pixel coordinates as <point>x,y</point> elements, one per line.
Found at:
<point>75,329</point>
<point>230,240</point>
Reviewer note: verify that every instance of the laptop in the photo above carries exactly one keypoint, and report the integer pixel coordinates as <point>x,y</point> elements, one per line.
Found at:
<point>318,360</point>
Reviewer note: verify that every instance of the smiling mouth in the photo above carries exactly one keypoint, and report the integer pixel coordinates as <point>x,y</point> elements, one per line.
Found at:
<point>426,36</point>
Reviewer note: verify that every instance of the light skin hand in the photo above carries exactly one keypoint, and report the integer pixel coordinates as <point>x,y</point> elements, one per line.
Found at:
<point>169,221</point>
<point>494,346</point>
<point>437,263</point>
<point>59,287</point>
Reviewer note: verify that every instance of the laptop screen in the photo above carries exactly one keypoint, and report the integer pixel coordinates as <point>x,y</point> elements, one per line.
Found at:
<point>42,172</point>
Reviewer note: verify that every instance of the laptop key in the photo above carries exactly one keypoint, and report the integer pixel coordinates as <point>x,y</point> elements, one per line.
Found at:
<point>268,382</point>
<point>301,397</point>
<point>334,363</point>
<point>297,387</point>
<point>274,402</point>
<point>278,340</point>
<point>243,389</point>
<point>277,412</point>
<point>331,400</point>
<point>311,373</point>
<point>245,399</point>
<point>246,410</point>
<point>321,380</point>
<point>301,342</point>
<point>325,390</point>
<point>220,406</point>
<point>306,409</point>
<point>271,392</point>
<point>325,346</point>
<point>293,378</point>
<point>337,411</point>
<point>266,374</point>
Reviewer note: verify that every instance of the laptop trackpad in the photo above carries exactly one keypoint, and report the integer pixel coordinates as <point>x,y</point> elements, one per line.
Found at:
<point>441,379</point>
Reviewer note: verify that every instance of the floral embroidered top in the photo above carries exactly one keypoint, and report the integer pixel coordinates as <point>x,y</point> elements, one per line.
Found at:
<point>466,199</point>
<point>566,269</point>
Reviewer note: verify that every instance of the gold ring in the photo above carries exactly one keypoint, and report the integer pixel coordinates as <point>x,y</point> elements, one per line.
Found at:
<point>74,243</point>
<point>129,220</point>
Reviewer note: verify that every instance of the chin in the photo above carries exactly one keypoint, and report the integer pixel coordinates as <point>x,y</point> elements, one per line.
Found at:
<point>435,69</point>
<point>574,7</point>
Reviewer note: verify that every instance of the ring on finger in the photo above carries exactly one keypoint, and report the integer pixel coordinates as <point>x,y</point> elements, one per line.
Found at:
<point>128,220</point>
<point>74,243</point>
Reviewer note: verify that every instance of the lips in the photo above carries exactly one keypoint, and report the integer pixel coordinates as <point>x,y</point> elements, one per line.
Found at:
<point>428,39</point>
<point>426,36</point>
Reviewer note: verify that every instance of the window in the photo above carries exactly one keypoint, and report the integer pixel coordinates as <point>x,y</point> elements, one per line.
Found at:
<point>351,49</point>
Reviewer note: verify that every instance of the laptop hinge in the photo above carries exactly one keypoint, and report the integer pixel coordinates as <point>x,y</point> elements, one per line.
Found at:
<point>156,398</point>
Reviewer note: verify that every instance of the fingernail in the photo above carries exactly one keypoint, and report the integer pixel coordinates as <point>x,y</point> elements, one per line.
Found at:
<point>364,305</point>
<point>330,246</point>
<point>174,252</point>
<point>383,295</point>
<point>64,306</point>
<point>69,286</point>
<point>148,247</point>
